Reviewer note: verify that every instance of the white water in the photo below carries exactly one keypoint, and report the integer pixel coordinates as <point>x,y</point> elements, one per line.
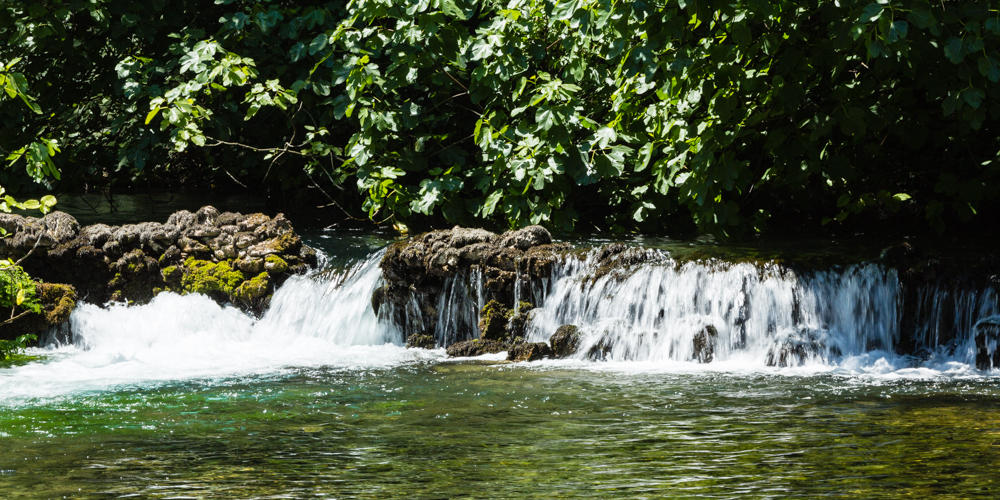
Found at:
<point>844,321</point>
<point>312,321</point>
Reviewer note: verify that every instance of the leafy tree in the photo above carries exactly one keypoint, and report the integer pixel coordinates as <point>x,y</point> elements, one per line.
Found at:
<point>625,115</point>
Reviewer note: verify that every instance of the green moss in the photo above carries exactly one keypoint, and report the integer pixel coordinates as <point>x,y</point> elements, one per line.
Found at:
<point>275,264</point>
<point>493,321</point>
<point>172,275</point>
<point>206,277</point>
<point>59,302</point>
<point>252,290</point>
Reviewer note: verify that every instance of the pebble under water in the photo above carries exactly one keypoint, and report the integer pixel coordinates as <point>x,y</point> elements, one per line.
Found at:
<point>184,399</point>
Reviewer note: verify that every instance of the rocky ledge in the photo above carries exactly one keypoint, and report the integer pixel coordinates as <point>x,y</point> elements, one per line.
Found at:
<point>228,256</point>
<point>511,268</point>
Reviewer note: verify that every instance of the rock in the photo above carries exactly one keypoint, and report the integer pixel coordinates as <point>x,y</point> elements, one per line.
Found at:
<point>419,341</point>
<point>704,344</point>
<point>250,265</point>
<point>526,238</point>
<point>202,232</point>
<point>182,219</point>
<point>420,269</point>
<point>253,294</point>
<point>461,237</point>
<point>493,321</point>
<point>620,260</point>
<point>794,349</point>
<point>57,301</point>
<point>987,337</point>
<point>475,348</point>
<point>565,341</point>
<point>288,243</point>
<point>207,215</point>
<point>529,351</point>
<point>274,264</point>
<point>191,253</point>
<point>252,222</point>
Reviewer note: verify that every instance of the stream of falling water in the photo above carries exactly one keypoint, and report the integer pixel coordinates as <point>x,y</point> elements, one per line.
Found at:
<point>184,398</point>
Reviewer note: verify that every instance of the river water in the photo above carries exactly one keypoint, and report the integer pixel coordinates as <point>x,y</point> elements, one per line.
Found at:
<point>183,398</point>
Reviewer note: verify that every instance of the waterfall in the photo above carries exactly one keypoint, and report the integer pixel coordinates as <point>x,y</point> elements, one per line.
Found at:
<point>659,311</point>
<point>760,313</point>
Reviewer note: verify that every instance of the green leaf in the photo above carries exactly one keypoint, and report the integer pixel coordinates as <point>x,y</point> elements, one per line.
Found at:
<point>989,68</point>
<point>870,13</point>
<point>974,97</point>
<point>921,18</point>
<point>901,197</point>
<point>563,9</point>
<point>317,44</point>
<point>152,114</point>
<point>953,50</point>
<point>297,51</point>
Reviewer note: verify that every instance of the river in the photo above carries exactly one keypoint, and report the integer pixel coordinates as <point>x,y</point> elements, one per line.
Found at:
<point>183,398</point>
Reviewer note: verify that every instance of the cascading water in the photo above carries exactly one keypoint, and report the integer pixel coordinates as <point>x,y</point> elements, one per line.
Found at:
<point>320,320</point>
<point>759,314</point>
<point>751,314</point>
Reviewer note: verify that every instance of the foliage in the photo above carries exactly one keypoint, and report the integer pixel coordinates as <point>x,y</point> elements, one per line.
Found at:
<point>627,115</point>
<point>17,290</point>
<point>38,155</point>
<point>11,348</point>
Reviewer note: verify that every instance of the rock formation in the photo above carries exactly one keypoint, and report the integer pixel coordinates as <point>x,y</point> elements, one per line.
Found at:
<point>490,281</point>
<point>229,256</point>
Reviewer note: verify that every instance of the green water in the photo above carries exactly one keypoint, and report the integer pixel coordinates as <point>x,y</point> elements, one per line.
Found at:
<point>491,430</point>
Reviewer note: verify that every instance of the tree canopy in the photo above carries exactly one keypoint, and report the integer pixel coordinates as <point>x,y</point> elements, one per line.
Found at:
<point>646,115</point>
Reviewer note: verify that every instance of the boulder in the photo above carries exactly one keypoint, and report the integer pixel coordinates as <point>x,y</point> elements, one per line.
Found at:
<point>529,351</point>
<point>565,341</point>
<point>191,253</point>
<point>987,338</point>
<point>419,341</point>
<point>704,344</point>
<point>475,348</point>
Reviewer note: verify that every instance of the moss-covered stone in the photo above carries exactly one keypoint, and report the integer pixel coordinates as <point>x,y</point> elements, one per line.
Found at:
<point>172,275</point>
<point>207,277</point>
<point>274,264</point>
<point>420,341</point>
<point>493,321</point>
<point>253,294</point>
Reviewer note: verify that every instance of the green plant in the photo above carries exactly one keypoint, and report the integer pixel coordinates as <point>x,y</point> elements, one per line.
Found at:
<point>11,348</point>
<point>17,291</point>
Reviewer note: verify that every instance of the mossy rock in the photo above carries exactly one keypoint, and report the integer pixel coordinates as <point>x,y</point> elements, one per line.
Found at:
<point>172,275</point>
<point>57,301</point>
<point>207,277</point>
<point>274,264</point>
<point>253,293</point>
<point>493,321</point>
<point>421,341</point>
